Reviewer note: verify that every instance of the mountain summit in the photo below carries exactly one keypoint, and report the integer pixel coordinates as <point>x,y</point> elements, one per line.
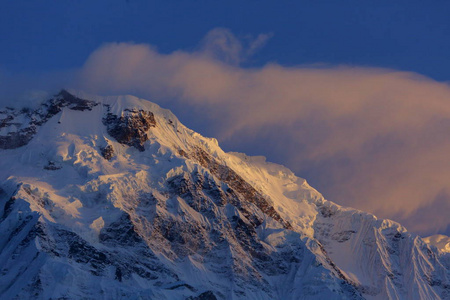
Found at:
<point>114,198</point>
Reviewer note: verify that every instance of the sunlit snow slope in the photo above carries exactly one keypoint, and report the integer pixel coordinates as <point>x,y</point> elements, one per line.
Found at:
<point>113,198</point>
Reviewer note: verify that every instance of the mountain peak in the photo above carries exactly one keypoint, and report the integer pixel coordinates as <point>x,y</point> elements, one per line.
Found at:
<point>116,190</point>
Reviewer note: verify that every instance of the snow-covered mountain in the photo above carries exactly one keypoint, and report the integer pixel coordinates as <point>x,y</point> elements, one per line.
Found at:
<point>442,242</point>
<point>113,198</point>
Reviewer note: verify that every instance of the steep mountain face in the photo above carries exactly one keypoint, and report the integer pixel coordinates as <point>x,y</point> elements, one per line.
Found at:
<point>113,198</point>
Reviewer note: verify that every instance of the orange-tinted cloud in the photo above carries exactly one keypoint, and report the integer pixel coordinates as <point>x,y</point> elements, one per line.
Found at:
<point>374,139</point>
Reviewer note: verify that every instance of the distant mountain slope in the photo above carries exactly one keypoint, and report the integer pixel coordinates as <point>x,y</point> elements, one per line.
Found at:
<point>440,241</point>
<point>113,198</point>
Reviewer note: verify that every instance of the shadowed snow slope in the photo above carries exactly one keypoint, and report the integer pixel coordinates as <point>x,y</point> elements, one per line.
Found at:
<point>113,198</point>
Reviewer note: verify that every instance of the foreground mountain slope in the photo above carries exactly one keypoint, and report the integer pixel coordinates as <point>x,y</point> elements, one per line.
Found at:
<point>113,198</point>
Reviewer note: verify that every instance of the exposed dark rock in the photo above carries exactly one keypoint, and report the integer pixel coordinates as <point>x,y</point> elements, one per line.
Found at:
<point>131,127</point>
<point>55,105</point>
<point>236,183</point>
<point>180,235</point>
<point>199,192</point>
<point>353,289</point>
<point>75,103</point>
<point>8,207</point>
<point>17,139</point>
<point>107,152</point>
<point>208,295</point>
<point>248,239</point>
<point>326,211</point>
<point>203,194</point>
<point>21,133</point>
<point>82,252</point>
<point>120,233</point>
<point>181,285</point>
<point>118,274</point>
<point>343,235</point>
<point>52,166</point>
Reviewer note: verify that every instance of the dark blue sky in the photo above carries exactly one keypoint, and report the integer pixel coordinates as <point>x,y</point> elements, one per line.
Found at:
<point>44,44</point>
<point>407,35</point>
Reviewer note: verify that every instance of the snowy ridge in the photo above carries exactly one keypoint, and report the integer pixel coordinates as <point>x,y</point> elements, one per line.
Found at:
<point>440,241</point>
<point>114,198</point>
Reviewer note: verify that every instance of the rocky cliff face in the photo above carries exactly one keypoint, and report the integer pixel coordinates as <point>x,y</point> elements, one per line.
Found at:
<point>130,128</point>
<point>17,127</point>
<point>130,204</point>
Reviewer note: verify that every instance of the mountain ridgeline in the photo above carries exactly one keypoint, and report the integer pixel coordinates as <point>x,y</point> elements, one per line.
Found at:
<point>113,198</point>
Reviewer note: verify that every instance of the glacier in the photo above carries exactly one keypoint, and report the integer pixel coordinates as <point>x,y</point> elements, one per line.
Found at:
<point>113,198</point>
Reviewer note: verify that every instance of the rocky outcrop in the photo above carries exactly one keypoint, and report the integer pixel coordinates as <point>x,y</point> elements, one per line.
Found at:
<point>208,295</point>
<point>64,98</point>
<point>130,128</point>
<point>17,127</point>
<point>107,152</point>
<point>13,136</point>
<point>52,166</point>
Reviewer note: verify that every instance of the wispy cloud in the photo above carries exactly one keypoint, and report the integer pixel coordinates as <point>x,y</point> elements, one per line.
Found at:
<point>255,44</point>
<point>374,139</point>
<point>221,44</point>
